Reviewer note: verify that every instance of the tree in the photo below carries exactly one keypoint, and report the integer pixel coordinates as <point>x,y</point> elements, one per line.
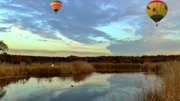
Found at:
<point>3,47</point>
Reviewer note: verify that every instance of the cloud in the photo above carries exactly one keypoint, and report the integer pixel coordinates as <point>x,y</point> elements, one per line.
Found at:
<point>154,40</point>
<point>116,24</point>
<point>130,31</point>
<point>26,43</point>
<point>4,29</point>
<point>40,19</point>
<point>72,21</point>
<point>145,47</point>
<point>54,53</point>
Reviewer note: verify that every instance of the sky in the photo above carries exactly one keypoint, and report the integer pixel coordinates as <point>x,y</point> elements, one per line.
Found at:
<point>88,28</point>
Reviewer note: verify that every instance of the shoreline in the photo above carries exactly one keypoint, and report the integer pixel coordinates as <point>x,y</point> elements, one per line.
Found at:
<point>70,68</point>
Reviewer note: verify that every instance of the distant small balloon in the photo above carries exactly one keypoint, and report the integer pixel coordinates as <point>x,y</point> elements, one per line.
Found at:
<point>56,5</point>
<point>52,65</point>
<point>156,10</point>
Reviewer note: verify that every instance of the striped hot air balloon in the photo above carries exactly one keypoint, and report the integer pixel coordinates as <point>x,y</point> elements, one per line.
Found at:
<point>56,5</point>
<point>156,10</point>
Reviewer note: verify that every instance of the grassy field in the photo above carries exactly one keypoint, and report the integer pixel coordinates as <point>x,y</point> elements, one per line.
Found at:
<point>170,74</point>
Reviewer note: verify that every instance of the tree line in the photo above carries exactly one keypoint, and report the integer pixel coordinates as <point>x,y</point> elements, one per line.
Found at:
<point>17,59</point>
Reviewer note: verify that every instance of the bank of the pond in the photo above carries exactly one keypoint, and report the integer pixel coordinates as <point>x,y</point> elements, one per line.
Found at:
<point>78,67</point>
<point>168,71</point>
<point>126,67</point>
<point>45,69</point>
<point>170,74</point>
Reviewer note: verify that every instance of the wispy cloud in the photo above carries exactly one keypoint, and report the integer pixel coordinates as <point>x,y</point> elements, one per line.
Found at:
<point>113,25</point>
<point>150,47</point>
<point>4,29</point>
<point>55,53</point>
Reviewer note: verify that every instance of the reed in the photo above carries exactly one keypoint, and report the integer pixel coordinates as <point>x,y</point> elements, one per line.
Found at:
<point>170,74</point>
<point>116,67</point>
<point>45,69</point>
<point>151,67</point>
<point>50,69</point>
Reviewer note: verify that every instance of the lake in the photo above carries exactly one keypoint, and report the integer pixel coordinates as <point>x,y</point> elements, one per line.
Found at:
<point>89,87</point>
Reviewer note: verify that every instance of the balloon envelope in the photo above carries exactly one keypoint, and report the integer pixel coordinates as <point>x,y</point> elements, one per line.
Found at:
<point>56,5</point>
<point>156,10</point>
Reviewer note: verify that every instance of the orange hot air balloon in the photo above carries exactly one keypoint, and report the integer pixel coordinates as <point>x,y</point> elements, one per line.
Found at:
<point>56,5</point>
<point>156,10</point>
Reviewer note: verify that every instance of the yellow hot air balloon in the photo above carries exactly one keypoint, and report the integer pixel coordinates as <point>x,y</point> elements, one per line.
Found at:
<point>56,5</point>
<point>156,10</point>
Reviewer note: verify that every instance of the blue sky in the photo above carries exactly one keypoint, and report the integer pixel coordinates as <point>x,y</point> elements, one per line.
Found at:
<point>88,28</point>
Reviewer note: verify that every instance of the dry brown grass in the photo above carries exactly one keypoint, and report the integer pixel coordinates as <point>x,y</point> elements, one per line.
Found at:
<point>170,73</point>
<point>126,67</point>
<point>151,67</point>
<point>117,67</point>
<point>45,69</point>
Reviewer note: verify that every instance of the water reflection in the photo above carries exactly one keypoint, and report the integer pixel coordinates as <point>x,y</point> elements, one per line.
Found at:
<point>6,81</point>
<point>22,80</point>
<point>2,92</point>
<point>95,87</point>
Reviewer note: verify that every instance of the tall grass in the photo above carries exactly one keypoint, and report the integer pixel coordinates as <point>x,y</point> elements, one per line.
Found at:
<point>151,67</point>
<point>116,67</point>
<point>45,69</point>
<point>170,73</point>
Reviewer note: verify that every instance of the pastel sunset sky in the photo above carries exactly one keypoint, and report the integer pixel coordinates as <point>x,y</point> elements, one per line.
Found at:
<point>88,28</point>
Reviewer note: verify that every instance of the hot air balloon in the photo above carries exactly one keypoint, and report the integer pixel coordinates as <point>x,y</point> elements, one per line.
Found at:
<point>56,5</point>
<point>156,10</point>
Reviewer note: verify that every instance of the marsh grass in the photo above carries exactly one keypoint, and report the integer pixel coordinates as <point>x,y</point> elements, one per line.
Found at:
<point>57,69</point>
<point>45,69</point>
<point>170,74</point>
<point>151,67</point>
<point>116,67</point>
<point>126,67</point>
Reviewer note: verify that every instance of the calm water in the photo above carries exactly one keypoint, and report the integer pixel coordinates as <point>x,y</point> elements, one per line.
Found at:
<point>94,87</point>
